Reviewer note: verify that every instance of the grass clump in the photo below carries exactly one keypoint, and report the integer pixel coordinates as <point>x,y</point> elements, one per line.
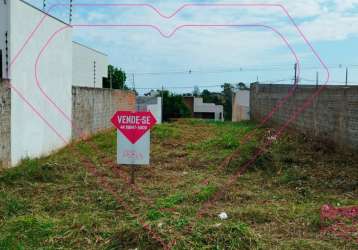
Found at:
<point>154,214</point>
<point>132,237</point>
<point>166,131</point>
<point>228,235</point>
<point>31,171</point>
<point>26,232</point>
<point>11,205</point>
<point>205,193</point>
<point>170,201</point>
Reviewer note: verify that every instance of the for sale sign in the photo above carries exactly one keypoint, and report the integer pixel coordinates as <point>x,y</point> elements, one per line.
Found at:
<point>133,136</point>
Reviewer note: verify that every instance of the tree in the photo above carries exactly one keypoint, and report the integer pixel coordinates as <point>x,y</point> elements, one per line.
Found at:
<point>228,94</point>
<point>212,97</point>
<point>116,78</point>
<point>242,86</point>
<point>173,106</point>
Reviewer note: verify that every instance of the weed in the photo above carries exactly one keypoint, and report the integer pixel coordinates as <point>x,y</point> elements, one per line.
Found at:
<point>256,215</point>
<point>31,171</point>
<point>293,177</point>
<point>170,201</point>
<point>26,232</point>
<point>166,131</point>
<point>154,214</point>
<point>132,237</point>
<point>11,205</point>
<point>221,236</point>
<point>181,223</point>
<point>205,193</point>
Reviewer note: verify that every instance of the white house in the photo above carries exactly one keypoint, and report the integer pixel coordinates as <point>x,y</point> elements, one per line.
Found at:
<point>200,109</point>
<point>41,71</point>
<point>241,106</point>
<point>152,104</point>
<point>89,66</point>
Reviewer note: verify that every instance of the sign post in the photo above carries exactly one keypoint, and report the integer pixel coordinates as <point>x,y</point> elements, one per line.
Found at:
<point>133,138</point>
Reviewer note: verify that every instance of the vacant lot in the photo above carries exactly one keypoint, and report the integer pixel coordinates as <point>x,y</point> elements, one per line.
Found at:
<point>79,199</point>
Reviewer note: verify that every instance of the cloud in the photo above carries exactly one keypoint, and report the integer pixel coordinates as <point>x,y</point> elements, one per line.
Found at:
<point>144,50</point>
<point>331,27</point>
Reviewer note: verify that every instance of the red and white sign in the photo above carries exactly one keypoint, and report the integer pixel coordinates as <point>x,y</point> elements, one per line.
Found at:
<point>133,125</point>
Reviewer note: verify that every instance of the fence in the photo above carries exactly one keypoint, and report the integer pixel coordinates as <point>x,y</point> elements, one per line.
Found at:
<point>92,108</point>
<point>333,115</point>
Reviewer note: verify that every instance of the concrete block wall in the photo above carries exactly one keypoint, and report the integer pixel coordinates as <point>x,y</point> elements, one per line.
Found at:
<point>5,119</point>
<point>92,108</point>
<point>333,115</point>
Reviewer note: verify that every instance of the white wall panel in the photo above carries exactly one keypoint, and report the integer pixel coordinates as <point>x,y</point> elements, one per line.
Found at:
<point>85,74</point>
<point>30,136</point>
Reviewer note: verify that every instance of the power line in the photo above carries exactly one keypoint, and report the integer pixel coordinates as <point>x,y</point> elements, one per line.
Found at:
<point>237,70</point>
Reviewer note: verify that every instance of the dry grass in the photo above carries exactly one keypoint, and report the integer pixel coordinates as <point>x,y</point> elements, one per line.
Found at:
<point>53,203</point>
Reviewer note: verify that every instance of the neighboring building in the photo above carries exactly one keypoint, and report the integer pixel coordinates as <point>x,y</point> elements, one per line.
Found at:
<point>241,106</point>
<point>89,66</point>
<point>152,104</point>
<point>202,110</point>
<point>43,77</point>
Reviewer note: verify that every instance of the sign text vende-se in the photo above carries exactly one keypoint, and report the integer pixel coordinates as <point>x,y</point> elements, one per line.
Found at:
<point>133,136</point>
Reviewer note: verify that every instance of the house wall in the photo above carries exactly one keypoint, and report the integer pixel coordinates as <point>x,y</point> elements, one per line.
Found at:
<point>152,104</point>
<point>85,74</point>
<point>93,108</point>
<point>241,106</point>
<point>201,107</point>
<point>5,116</point>
<point>55,76</point>
<point>333,115</point>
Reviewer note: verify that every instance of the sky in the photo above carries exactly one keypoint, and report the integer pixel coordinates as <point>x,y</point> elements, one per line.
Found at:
<point>241,43</point>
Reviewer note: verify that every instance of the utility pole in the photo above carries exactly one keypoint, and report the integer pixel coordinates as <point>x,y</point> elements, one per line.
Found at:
<point>346,76</point>
<point>133,82</point>
<point>110,79</point>
<point>296,80</point>
<point>162,108</point>
<point>317,78</point>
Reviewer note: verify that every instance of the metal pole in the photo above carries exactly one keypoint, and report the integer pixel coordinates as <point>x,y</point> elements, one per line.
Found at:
<point>317,78</point>
<point>346,76</point>
<point>162,103</point>
<point>295,73</point>
<point>110,79</point>
<point>94,74</point>
<point>132,181</point>
<point>133,82</point>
